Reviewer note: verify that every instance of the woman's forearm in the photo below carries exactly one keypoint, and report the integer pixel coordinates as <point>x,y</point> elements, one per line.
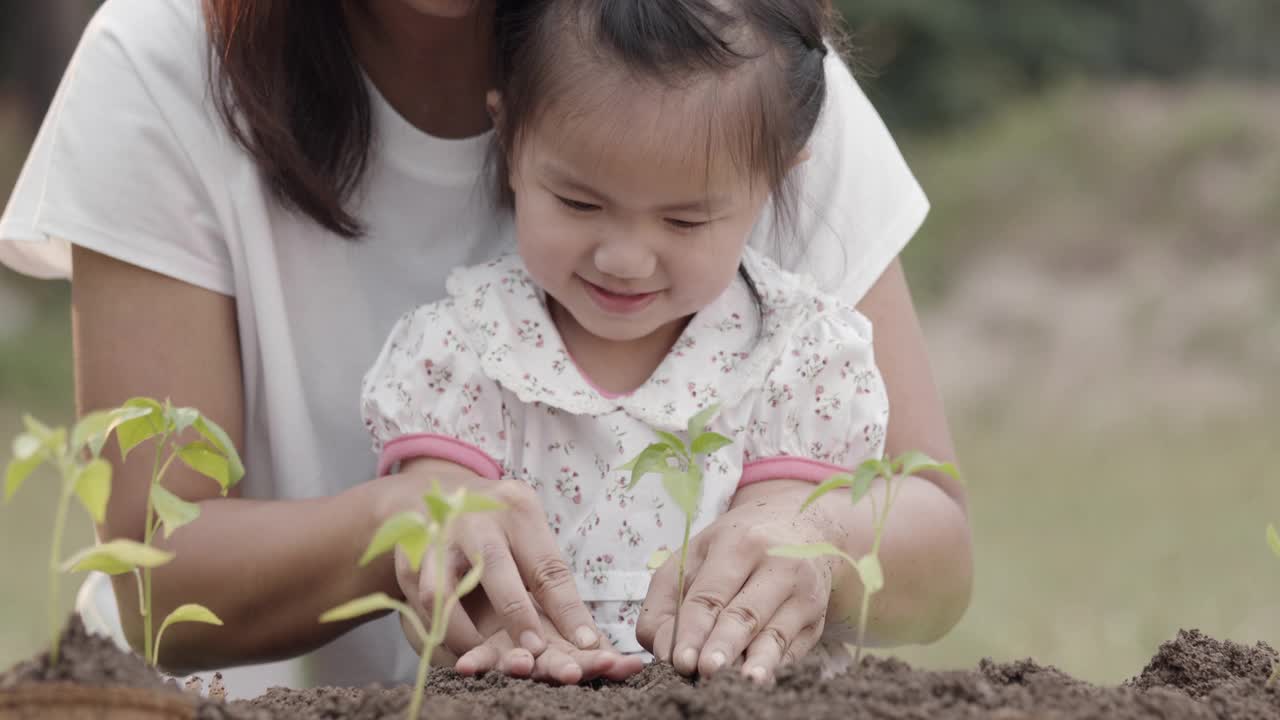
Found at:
<point>268,569</point>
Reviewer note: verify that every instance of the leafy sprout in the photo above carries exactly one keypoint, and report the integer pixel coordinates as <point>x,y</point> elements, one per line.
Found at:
<point>417,535</point>
<point>87,477</point>
<point>679,466</point>
<point>1273,540</point>
<point>859,483</point>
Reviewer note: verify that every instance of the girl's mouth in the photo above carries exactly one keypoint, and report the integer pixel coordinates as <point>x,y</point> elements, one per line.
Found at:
<point>618,303</point>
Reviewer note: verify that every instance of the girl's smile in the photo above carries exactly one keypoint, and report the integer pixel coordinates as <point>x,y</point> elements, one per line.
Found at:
<point>618,302</point>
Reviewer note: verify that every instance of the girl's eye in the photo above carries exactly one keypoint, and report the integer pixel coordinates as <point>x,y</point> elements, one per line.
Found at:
<point>685,224</point>
<point>577,205</point>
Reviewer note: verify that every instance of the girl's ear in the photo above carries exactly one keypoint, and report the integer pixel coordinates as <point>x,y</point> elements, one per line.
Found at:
<point>493,103</point>
<point>801,157</point>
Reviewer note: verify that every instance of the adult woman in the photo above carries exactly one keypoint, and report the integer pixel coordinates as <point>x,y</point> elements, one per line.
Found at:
<point>250,261</point>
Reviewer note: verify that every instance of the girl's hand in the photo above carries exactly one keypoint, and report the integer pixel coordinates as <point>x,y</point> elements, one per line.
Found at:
<point>523,567</point>
<point>738,600</point>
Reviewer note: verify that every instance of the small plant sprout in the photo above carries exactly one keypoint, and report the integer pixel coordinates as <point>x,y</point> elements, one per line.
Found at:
<point>417,535</point>
<point>859,483</point>
<point>680,467</point>
<point>1273,540</point>
<point>213,455</point>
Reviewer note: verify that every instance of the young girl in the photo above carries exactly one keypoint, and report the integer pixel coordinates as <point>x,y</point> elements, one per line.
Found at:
<point>639,144</point>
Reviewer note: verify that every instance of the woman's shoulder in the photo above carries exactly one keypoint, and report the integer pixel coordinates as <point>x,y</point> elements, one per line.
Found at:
<point>155,35</point>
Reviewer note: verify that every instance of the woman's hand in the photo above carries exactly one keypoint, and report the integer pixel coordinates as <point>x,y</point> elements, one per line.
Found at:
<point>738,600</point>
<point>523,567</point>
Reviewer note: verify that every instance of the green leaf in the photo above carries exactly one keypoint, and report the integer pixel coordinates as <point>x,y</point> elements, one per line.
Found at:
<point>93,425</point>
<point>473,502</point>
<point>438,508</point>
<point>673,442</point>
<point>835,482</point>
<point>16,472</point>
<point>1273,539</point>
<point>93,488</point>
<point>868,567</point>
<point>116,557</point>
<point>218,437</point>
<point>862,479</point>
<point>652,459</point>
<point>132,432</point>
<point>174,512</point>
<point>658,559</point>
<point>181,418</point>
<point>363,606</point>
<point>809,551</point>
<point>709,442</point>
<point>910,463</point>
<point>684,488</point>
<point>26,446</point>
<point>202,458</point>
<point>698,423</point>
<point>408,529</point>
<point>471,579</point>
<point>190,612</point>
<point>39,430</point>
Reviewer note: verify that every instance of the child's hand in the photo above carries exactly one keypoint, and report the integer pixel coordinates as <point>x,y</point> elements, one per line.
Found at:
<point>738,599</point>
<point>523,567</point>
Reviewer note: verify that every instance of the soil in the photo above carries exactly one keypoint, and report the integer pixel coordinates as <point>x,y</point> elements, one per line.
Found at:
<point>1191,676</point>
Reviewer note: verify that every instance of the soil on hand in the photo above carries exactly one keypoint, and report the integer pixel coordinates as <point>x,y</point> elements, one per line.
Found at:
<point>1192,676</point>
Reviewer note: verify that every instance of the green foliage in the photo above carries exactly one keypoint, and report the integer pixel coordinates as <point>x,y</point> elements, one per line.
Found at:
<point>1273,540</point>
<point>680,467</point>
<point>416,534</point>
<point>859,483</point>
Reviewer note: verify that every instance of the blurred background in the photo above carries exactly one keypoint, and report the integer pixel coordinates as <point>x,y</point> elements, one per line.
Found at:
<point>1100,285</point>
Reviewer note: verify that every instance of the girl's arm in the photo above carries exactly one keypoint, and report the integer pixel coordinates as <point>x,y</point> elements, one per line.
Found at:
<point>267,568</point>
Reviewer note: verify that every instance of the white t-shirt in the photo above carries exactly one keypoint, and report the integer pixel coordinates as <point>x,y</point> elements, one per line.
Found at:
<point>132,161</point>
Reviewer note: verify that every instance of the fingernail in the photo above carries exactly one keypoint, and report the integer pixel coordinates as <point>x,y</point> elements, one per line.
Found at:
<point>758,674</point>
<point>585,638</point>
<point>688,657</point>
<point>530,641</point>
<point>717,660</point>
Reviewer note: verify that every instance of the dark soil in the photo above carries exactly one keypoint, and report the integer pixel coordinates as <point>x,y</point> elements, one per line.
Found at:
<point>1192,676</point>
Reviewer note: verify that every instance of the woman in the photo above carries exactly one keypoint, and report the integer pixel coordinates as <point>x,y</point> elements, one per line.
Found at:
<point>248,194</point>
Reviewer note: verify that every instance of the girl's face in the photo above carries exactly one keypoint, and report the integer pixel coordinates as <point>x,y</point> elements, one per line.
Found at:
<point>626,215</point>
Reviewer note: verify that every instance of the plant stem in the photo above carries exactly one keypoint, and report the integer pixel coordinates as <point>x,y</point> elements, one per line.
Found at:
<point>1275,673</point>
<point>439,618</point>
<point>675,626</point>
<point>145,600</point>
<point>862,627</point>
<point>55,552</point>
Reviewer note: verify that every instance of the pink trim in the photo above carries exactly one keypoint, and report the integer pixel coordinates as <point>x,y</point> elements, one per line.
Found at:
<point>786,467</point>
<point>407,447</point>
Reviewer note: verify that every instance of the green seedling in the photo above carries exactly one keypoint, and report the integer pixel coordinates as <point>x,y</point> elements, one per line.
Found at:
<point>417,535</point>
<point>680,467</point>
<point>859,483</point>
<point>1273,540</point>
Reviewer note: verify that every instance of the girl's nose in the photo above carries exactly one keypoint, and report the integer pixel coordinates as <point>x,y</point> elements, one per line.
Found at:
<point>625,260</point>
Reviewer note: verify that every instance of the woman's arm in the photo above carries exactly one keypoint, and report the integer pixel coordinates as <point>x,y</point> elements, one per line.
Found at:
<point>267,568</point>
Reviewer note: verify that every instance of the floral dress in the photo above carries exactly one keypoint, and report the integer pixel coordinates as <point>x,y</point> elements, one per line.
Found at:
<point>482,379</point>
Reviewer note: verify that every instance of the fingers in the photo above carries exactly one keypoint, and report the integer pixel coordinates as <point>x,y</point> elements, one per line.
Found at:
<point>790,634</point>
<point>496,653</point>
<point>737,625</point>
<point>502,583</point>
<point>460,632</point>
<point>718,581</point>
<point>653,628</point>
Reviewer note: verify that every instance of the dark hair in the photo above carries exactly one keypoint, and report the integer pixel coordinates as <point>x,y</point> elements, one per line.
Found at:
<point>288,86</point>
<point>548,49</point>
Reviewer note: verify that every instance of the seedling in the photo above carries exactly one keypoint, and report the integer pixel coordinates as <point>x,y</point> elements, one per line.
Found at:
<point>859,483</point>
<point>680,467</point>
<point>416,535</point>
<point>1273,539</point>
<point>90,481</point>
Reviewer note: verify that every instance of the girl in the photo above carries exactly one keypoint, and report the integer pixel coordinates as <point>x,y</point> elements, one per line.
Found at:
<point>639,143</point>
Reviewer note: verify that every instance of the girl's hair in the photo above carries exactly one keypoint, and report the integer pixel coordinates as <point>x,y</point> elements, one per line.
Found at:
<point>552,49</point>
<point>288,86</point>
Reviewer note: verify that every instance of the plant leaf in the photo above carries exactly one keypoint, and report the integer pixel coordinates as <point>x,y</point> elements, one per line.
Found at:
<point>181,418</point>
<point>839,480</point>
<point>190,612</point>
<point>93,488</point>
<point>652,459</point>
<point>16,472</point>
<point>709,442</point>
<point>912,462</point>
<point>810,550</point>
<point>673,442</point>
<point>174,512</point>
<point>41,432</point>
<point>471,579</point>
<point>26,446</point>
<point>698,423</point>
<point>408,528</point>
<point>474,502</point>
<point>93,425</point>
<point>862,479</point>
<point>202,458</point>
<point>116,557</point>
<point>1273,539</point>
<point>363,606</point>
<point>683,488</point>
<point>658,558</point>
<point>868,567</point>
<point>218,437</point>
<point>130,433</point>
<point>437,507</point>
